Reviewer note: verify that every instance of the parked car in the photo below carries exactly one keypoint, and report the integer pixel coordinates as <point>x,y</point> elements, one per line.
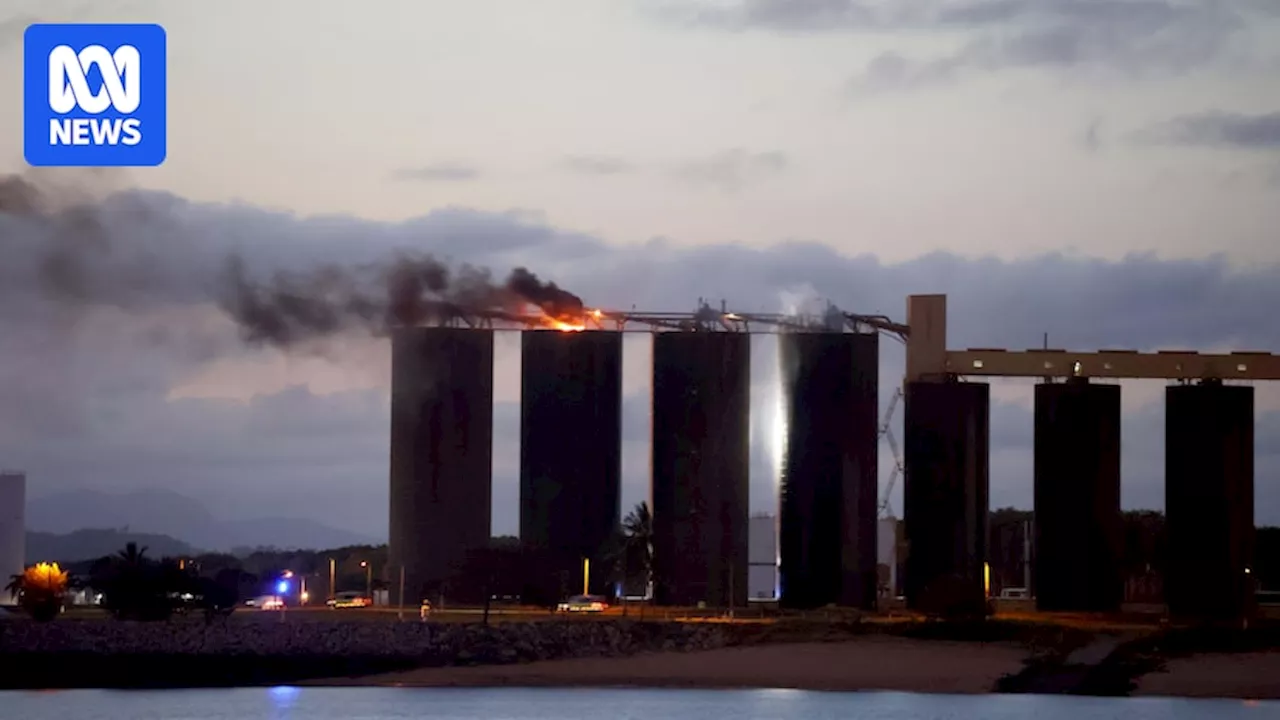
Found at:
<point>265,602</point>
<point>583,603</point>
<point>349,600</point>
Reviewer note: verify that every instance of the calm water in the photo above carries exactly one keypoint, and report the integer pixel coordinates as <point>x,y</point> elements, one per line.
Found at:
<point>546,704</point>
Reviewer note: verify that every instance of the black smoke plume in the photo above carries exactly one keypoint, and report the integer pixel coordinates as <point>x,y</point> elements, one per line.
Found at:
<point>76,253</point>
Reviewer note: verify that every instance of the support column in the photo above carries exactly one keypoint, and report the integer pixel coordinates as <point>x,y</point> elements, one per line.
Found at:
<point>1078,532</point>
<point>1209,500</point>
<point>945,493</point>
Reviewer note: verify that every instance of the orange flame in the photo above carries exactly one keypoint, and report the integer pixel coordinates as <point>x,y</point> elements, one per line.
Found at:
<point>570,324</point>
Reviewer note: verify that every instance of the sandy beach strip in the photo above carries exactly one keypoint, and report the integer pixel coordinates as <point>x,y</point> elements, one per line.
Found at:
<point>870,663</point>
<point>1253,676</point>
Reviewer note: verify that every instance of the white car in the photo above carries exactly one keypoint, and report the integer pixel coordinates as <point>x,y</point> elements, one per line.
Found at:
<point>583,603</point>
<point>266,602</point>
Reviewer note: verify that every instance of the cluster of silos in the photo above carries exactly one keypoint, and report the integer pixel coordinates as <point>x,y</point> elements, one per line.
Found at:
<point>570,461</point>
<point>701,453</point>
<point>442,455</point>
<point>1078,532</point>
<point>1076,488</point>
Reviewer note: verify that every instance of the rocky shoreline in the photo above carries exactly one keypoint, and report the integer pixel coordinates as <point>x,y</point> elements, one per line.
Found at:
<point>106,654</point>
<point>992,656</point>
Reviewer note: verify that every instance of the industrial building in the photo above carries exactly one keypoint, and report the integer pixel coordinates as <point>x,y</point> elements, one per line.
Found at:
<point>1078,534</point>
<point>762,548</point>
<point>1208,466</point>
<point>828,491</point>
<point>13,527</point>
<point>701,455</point>
<point>829,547</point>
<point>570,453</point>
<point>441,458</point>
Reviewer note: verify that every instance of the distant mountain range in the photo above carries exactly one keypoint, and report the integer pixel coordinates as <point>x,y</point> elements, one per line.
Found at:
<point>182,519</point>
<point>93,544</point>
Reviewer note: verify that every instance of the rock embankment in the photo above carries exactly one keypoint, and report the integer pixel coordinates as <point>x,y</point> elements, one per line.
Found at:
<point>102,653</point>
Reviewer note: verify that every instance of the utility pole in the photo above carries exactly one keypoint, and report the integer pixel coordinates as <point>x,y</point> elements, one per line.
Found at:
<point>333,575</point>
<point>401,614</point>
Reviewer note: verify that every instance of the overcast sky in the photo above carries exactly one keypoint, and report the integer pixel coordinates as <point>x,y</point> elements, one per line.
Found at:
<point>1107,171</point>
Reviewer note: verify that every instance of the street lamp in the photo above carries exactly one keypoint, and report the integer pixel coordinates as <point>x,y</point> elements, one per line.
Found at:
<point>368,579</point>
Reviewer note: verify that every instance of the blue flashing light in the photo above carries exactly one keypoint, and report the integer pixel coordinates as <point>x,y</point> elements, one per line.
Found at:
<point>282,587</point>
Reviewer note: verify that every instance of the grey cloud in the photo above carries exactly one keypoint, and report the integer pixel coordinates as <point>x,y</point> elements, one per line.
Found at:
<point>730,170</point>
<point>1218,129</point>
<point>85,389</point>
<point>1136,38</point>
<point>783,15</point>
<point>890,71</point>
<point>1138,45</point>
<point>944,15</point>
<point>443,172</point>
<point>598,165</point>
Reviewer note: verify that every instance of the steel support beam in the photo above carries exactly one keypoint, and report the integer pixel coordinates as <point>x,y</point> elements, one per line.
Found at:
<point>1113,364</point>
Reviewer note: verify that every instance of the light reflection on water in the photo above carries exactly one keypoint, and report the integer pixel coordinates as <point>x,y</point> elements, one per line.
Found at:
<point>288,703</point>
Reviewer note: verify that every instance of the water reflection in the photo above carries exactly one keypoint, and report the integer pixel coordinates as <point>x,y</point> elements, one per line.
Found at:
<point>287,702</point>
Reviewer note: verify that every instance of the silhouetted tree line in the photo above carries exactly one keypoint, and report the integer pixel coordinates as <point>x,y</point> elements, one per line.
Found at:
<point>136,586</point>
<point>1144,548</point>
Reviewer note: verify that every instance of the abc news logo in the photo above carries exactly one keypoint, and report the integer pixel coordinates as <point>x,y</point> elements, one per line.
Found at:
<point>69,89</point>
<point>94,95</point>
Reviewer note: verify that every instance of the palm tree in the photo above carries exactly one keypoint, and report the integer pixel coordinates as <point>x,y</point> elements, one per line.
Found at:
<point>134,586</point>
<point>637,531</point>
<point>16,583</point>
<point>132,555</point>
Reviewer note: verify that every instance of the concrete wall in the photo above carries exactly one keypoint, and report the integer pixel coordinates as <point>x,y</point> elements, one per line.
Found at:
<point>13,528</point>
<point>1078,531</point>
<point>441,458</point>
<point>701,436</point>
<point>946,488</point>
<point>1209,499</point>
<point>828,519</point>
<point>570,453</point>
